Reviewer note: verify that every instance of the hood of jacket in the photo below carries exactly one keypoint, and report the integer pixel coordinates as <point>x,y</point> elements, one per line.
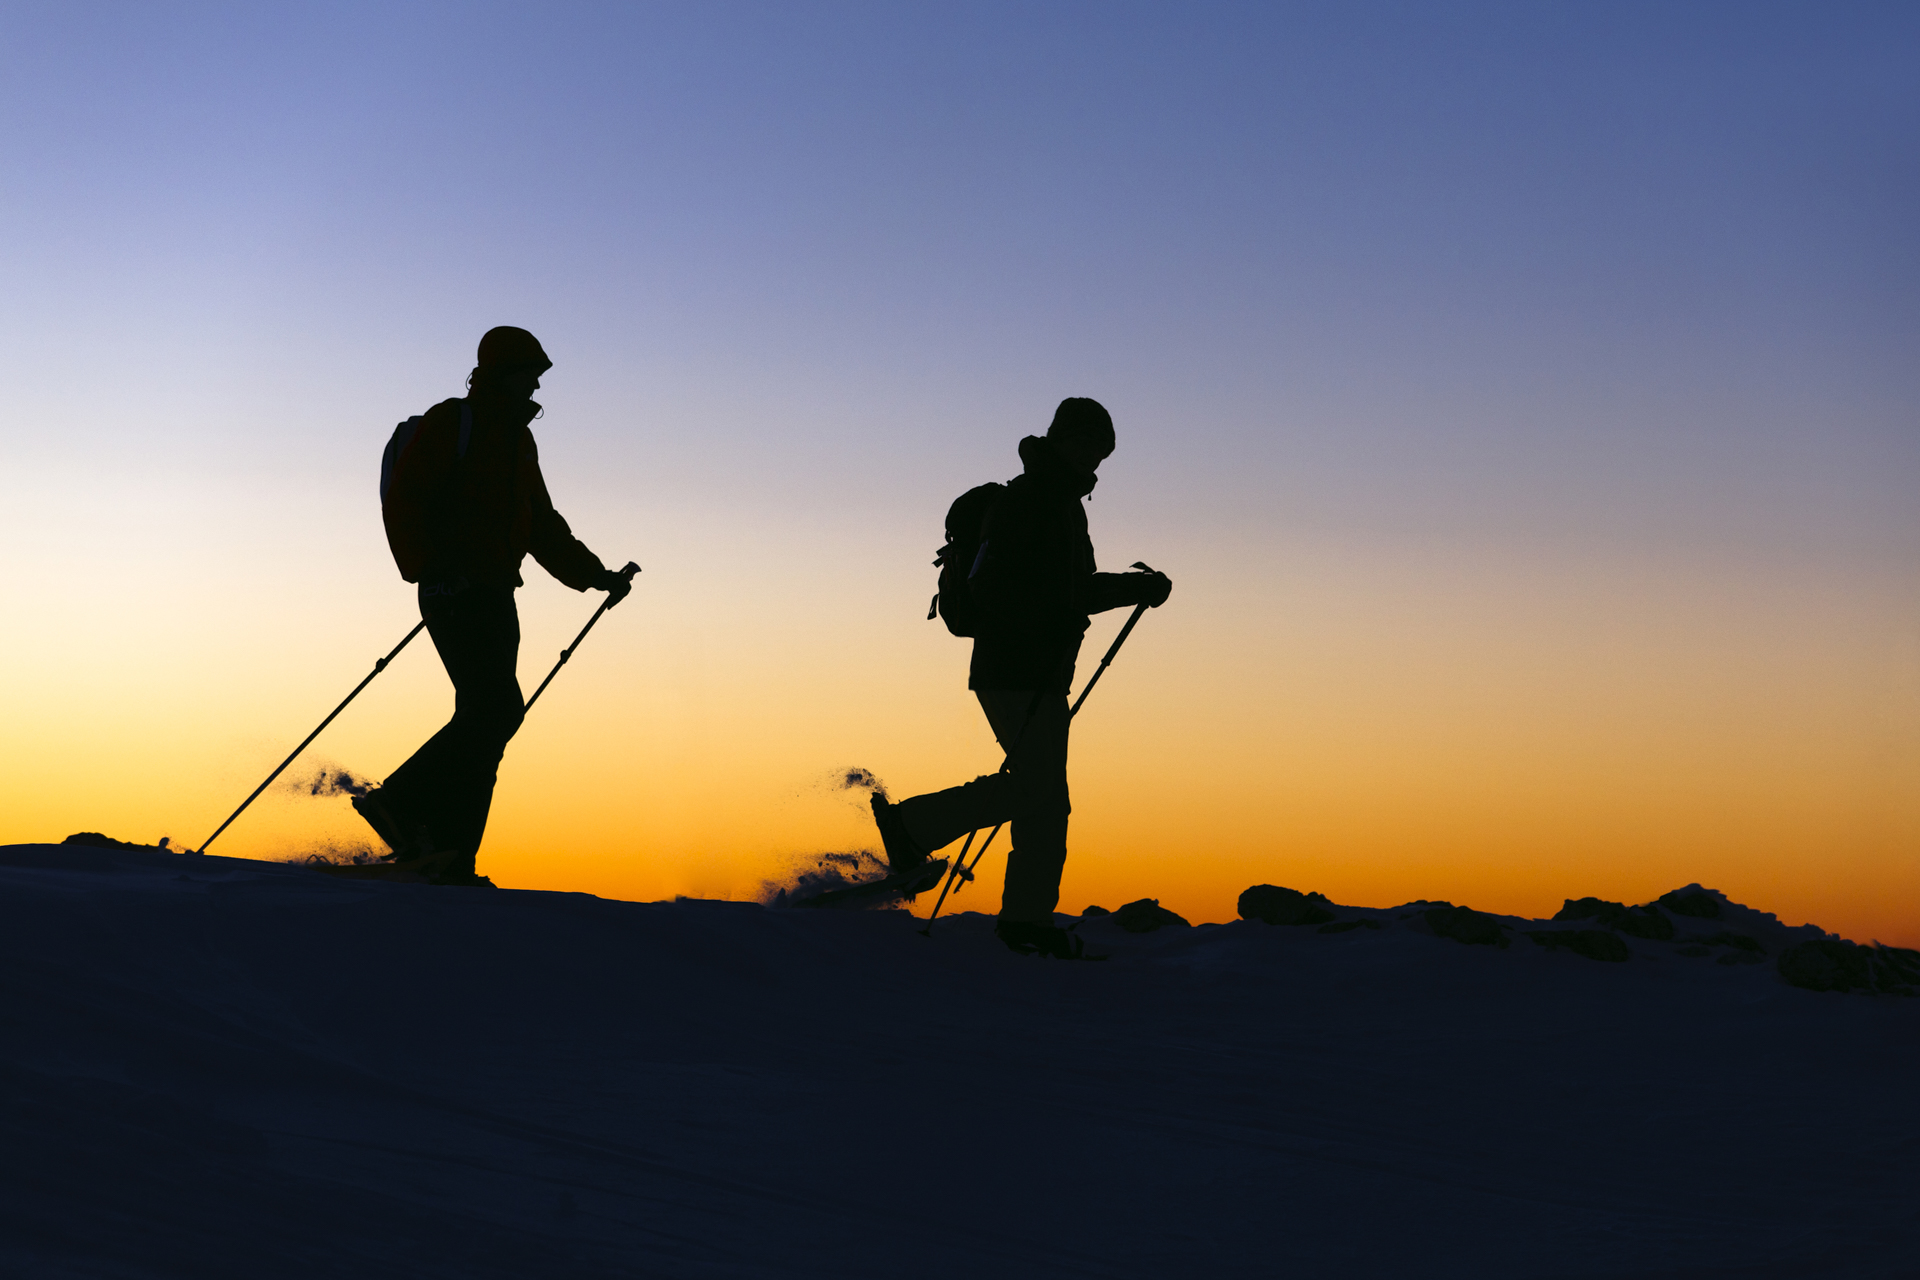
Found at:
<point>506,408</point>
<point>1045,466</point>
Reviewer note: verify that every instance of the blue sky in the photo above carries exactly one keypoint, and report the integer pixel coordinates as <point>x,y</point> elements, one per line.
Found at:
<point>1402,240</point>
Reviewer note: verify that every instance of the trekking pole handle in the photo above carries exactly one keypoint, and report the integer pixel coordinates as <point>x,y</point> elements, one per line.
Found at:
<point>626,574</point>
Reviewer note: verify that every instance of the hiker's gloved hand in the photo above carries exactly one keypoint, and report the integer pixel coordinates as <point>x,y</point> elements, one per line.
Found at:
<point>616,583</point>
<point>1154,589</point>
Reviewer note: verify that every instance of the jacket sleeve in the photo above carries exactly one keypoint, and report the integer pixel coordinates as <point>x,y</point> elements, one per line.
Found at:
<point>552,542</point>
<point>1112,590</point>
<point>420,476</point>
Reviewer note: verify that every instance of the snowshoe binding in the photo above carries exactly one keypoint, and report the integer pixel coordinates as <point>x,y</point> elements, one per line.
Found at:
<point>450,868</point>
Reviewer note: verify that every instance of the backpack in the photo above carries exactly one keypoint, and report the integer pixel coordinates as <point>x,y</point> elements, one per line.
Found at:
<point>403,436</point>
<point>960,559</point>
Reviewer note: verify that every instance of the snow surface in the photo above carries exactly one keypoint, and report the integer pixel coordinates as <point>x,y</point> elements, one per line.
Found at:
<point>218,1067</point>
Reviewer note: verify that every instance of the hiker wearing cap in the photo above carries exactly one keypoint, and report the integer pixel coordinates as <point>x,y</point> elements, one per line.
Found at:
<point>464,504</point>
<point>1019,577</point>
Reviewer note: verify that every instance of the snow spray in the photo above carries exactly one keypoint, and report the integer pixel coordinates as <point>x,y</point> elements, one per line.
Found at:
<point>333,853</point>
<point>330,780</point>
<point>829,871</point>
<point>816,873</point>
<point>858,779</point>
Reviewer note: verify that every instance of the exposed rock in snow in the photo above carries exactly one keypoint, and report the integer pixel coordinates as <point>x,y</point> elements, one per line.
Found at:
<point>1833,964</point>
<point>94,840</point>
<point>1276,905</point>
<point>1464,924</point>
<point>1701,904</point>
<point>1146,915</point>
<point>1641,922</point>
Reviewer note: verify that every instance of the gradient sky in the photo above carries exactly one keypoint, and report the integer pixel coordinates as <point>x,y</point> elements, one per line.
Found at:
<point>1522,398</point>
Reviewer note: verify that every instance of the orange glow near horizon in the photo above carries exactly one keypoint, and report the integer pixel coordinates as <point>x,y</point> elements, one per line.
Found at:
<point>1378,730</point>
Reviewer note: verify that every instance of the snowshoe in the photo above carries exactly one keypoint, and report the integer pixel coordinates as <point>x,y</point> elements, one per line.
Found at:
<point>441,868</point>
<point>407,839</point>
<point>905,884</point>
<point>391,872</point>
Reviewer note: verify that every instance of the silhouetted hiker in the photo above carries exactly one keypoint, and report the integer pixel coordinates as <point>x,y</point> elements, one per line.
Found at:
<point>1029,590</point>
<point>464,504</point>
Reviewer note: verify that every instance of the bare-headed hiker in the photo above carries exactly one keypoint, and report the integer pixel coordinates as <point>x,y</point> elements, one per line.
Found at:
<point>464,503</point>
<point>1018,576</point>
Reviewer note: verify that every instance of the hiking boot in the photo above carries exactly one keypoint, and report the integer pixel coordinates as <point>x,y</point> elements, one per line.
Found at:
<point>393,832</point>
<point>902,854</point>
<point>461,873</point>
<point>1041,939</point>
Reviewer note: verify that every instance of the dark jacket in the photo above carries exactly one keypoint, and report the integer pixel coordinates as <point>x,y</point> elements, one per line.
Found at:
<point>1036,583</point>
<point>477,517</point>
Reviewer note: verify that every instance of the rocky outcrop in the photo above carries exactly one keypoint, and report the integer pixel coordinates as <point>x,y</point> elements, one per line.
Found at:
<point>1701,904</point>
<point>1146,915</point>
<point>1640,922</point>
<point>1464,924</point>
<point>1275,905</point>
<point>94,840</point>
<point>1598,929</point>
<point>1834,964</point>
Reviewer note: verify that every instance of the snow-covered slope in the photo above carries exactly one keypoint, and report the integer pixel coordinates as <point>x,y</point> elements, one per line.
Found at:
<point>225,1068</point>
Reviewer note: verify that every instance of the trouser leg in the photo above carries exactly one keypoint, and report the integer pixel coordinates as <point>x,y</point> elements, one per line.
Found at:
<point>447,784</point>
<point>1041,804</point>
<point>938,818</point>
<point>1031,793</point>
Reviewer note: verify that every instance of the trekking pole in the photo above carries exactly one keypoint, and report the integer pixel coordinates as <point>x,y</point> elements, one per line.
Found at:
<point>567,652</point>
<point>1112,649</point>
<point>378,667</point>
<point>954,875</point>
<point>962,870</point>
